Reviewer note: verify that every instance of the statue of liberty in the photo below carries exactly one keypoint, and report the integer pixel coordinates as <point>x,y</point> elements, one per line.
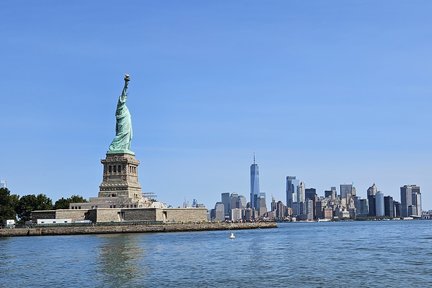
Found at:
<point>122,141</point>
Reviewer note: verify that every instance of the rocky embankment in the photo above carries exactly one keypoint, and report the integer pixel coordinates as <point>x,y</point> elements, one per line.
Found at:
<point>130,228</point>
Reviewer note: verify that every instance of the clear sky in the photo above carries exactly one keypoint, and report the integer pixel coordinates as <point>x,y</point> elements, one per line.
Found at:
<point>332,92</point>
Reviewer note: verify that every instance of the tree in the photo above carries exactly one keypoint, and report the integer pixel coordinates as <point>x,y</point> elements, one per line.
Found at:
<point>8,204</point>
<point>29,203</point>
<point>63,203</point>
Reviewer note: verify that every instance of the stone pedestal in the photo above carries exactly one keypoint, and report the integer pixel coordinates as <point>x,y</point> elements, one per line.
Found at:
<point>120,177</point>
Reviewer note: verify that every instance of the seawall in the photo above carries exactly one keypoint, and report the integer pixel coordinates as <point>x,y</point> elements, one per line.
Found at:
<point>132,228</point>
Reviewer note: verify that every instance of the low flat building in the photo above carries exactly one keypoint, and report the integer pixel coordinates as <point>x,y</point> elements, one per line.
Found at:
<point>107,215</point>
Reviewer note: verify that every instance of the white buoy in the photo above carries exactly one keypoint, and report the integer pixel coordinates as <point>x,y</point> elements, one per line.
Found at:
<point>232,236</point>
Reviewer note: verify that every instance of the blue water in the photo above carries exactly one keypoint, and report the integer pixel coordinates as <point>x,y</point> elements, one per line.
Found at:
<point>349,254</point>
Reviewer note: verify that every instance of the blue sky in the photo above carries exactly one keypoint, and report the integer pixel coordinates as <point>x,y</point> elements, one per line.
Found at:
<point>332,92</point>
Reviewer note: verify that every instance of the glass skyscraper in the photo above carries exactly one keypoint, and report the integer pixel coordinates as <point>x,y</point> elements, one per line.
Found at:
<point>291,190</point>
<point>255,190</point>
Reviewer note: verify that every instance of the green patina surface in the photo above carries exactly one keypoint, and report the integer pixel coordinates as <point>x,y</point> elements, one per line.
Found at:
<point>122,141</point>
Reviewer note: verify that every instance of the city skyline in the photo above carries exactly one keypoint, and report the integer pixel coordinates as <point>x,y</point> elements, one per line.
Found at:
<point>305,204</point>
<point>332,92</point>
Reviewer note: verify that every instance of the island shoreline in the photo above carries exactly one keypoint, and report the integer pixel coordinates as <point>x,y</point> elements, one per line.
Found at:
<point>131,228</point>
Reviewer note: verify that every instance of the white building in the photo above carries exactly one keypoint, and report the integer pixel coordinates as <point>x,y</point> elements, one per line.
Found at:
<point>236,214</point>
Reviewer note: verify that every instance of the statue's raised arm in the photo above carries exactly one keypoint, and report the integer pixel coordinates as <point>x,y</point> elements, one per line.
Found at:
<point>125,87</point>
<point>121,142</point>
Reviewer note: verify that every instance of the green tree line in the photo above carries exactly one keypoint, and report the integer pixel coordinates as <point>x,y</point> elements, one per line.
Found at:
<point>19,208</point>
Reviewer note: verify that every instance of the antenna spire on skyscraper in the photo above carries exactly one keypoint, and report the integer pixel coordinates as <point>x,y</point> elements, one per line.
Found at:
<point>254,157</point>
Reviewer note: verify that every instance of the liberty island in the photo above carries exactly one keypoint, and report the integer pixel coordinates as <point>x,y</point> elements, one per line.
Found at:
<point>120,199</point>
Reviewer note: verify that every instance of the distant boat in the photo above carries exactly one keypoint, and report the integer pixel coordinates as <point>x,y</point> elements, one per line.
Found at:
<point>323,220</point>
<point>232,236</point>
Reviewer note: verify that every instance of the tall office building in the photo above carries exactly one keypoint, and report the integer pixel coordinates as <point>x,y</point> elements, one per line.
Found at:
<point>291,190</point>
<point>281,210</point>
<point>334,193</point>
<point>301,193</point>
<point>397,209</point>
<point>242,202</point>
<point>234,201</point>
<point>300,207</point>
<point>389,207</point>
<point>261,204</point>
<point>219,214</point>
<point>310,193</point>
<point>416,201</point>
<point>3,184</point>
<point>409,207</point>
<point>255,190</point>
<point>379,204</point>
<point>309,205</point>
<point>371,192</point>
<point>345,190</point>
<point>226,201</point>
<point>363,209</point>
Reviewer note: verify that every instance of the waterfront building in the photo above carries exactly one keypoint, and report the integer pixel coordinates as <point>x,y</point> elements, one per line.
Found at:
<point>309,204</point>
<point>388,207</point>
<point>396,209</point>
<point>249,214</point>
<point>426,215</point>
<point>289,211</point>
<point>371,192</point>
<point>328,213</point>
<point>352,213</point>
<point>226,201</point>
<point>412,210</point>
<point>364,207</point>
<point>344,214</point>
<point>262,207</point>
<point>408,193</point>
<point>319,214</point>
<point>219,214</point>
<point>236,215</point>
<point>281,210</point>
<point>310,193</point>
<point>356,201</point>
<point>416,201</point>
<point>379,204</point>
<point>254,185</point>
<point>291,190</point>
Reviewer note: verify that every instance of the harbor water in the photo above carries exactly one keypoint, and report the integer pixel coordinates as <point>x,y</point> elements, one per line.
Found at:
<point>325,254</point>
